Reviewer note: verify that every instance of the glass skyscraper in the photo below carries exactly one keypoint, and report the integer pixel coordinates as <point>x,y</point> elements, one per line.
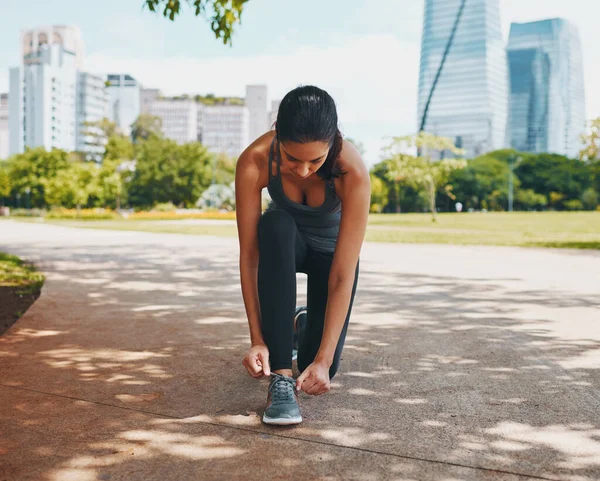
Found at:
<point>529,99</point>
<point>470,102</point>
<point>547,99</point>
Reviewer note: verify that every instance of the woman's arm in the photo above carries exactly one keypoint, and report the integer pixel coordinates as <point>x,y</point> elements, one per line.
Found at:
<point>355,194</point>
<point>248,190</point>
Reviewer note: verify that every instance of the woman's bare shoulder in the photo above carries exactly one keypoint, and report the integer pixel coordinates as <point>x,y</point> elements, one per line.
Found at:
<point>351,162</point>
<point>258,151</point>
<point>254,160</point>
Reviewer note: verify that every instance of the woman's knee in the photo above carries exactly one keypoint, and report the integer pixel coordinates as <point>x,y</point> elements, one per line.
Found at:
<point>276,224</point>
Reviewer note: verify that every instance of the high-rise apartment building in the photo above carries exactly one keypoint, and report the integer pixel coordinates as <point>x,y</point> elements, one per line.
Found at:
<point>42,100</point>
<point>4,150</point>
<point>68,37</point>
<point>124,100</point>
<point>92,107</point>
<point>51,100</point>
<point>470,102</point>
<point>547,107</point>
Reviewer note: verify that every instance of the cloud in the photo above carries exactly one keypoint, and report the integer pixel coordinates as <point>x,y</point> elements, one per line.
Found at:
<point>373,79</point>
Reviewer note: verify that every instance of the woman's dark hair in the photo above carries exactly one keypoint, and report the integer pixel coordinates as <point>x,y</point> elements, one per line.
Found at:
<point>308,114</point>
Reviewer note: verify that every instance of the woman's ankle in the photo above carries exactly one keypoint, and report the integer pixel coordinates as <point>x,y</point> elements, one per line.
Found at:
<point>285,372</point>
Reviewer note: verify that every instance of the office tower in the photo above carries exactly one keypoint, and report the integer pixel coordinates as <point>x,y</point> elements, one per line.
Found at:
<point>470,102</point>
<point>529,98</point>
<point>547,104</point>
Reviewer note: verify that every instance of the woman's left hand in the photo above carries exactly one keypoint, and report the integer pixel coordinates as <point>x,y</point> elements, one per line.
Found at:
<point>314,379</point>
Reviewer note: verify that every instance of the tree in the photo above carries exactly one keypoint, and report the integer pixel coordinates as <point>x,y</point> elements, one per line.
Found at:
<point>557,177</point>
<point>116,170</point>
<point>146,126</point>
<point>73,186</point>
<point>527,199</point>
<point>168,172</point>
<point>590,199</point>
<point>4,183</point>
<point>224,169</point>
<point>225,13</point>
<point>95,134</point>
<point>591,141</point>
<point>118,147</point>
<point>483,183</point>
<point>594,168</point>
<point>379,193</point>
<point>31,171</point>
<point>422,171</point>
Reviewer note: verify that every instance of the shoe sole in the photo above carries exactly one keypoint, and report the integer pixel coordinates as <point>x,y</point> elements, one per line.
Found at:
<point>300,310</point>
<point>282,421</point>
<point>303,310</point>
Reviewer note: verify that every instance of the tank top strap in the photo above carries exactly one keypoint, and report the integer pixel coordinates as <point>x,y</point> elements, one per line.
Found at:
<point>271,150</point>
<point>278,158</point>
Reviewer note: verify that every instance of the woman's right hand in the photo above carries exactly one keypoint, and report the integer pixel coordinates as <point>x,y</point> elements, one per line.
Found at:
<point>257,361</point>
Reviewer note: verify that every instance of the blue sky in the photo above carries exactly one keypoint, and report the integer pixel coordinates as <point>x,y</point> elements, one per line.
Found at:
<point>366,57</point>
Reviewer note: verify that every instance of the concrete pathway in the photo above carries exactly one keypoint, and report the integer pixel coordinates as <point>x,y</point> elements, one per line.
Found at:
<point>462,363</point>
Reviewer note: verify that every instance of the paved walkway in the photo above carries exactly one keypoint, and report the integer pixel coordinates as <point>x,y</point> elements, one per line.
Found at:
<point>462,363</point>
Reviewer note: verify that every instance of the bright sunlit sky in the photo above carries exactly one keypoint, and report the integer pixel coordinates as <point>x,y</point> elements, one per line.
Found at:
<point>366,57</point>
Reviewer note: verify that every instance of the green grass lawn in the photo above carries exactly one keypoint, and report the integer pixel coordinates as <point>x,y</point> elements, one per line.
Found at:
<point>580,230</point>
<point>16,273</point>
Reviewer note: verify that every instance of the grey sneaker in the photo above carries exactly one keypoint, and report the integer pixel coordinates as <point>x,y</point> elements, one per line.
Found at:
<point>282,402</point>
<point>299,323</point>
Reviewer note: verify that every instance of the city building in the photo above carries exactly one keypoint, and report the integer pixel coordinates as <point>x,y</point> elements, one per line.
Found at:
<point>124,100</point>
<point>470,102</point>
<point>256,101</point>
<point>33,40</point>
<point>92,106</point>
<point>42,100</point>
<point>147,96</point>
<point>546,73</point>
<point>222,124</point>
<point>225,128</point>
<point>529,98</point>
<point>179,118</point>
<point>4,126</point>
<point>273,114</point>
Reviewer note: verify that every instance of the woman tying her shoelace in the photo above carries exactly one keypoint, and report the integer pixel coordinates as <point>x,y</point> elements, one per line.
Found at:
<point>315,224</point>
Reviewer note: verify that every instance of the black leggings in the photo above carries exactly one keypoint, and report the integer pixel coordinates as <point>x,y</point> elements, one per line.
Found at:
<point>284,252</point>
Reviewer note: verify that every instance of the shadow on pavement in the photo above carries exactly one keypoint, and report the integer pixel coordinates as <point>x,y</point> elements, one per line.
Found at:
<point>440,375</point>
